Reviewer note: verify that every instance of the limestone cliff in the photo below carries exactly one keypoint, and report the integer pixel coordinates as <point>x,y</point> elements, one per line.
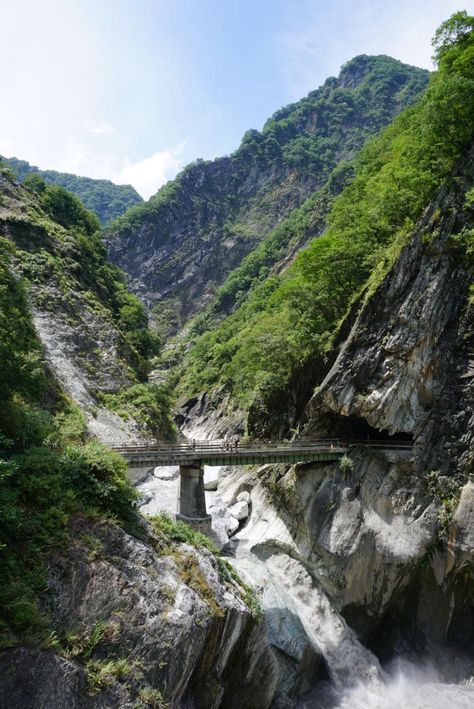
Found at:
<point>140,623</point>
<point>382,543</point>
<point>179,247</point>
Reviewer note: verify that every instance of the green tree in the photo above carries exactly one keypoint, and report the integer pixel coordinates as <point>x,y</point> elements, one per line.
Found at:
<point>452,39</point>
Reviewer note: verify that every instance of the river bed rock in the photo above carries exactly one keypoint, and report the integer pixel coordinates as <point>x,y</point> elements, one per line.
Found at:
<point>239,510</point>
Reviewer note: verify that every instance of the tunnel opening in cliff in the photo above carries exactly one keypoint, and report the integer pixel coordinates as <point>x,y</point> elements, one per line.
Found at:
<point>356,428</point>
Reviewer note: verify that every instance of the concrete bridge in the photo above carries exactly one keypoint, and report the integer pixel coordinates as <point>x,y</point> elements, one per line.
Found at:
<point>191,457</point>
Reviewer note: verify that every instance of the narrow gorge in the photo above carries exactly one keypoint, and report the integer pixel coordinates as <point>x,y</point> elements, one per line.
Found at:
<point>316,285</point>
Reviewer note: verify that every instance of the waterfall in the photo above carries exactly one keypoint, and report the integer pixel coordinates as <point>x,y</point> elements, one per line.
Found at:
<point>348,661</point>
<point>357,679</point>
<point>405,685</point>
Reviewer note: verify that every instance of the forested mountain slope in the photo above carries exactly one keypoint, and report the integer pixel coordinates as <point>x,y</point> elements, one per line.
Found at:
<point>181,244</point>
<point>70,533</point>
<point>272,350</point>
<point>102,197</point>
<point>93,332</point>
<point>367,332</point>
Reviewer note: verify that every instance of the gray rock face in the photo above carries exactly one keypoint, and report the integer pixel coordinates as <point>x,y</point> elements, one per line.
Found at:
<point>464,526</point>
<point>40,679</point>
<point>210,416</point>
<point>186,632</point>
<point>367,553</point>
<point>388,545</point>
<point>82,352</point>
<point>407,366</point>
<point>181,247</point>
<point>178,255</point>
<point>406,369</point>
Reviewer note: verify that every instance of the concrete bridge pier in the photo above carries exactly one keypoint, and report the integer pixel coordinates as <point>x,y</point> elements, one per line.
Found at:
<point>192,500</point>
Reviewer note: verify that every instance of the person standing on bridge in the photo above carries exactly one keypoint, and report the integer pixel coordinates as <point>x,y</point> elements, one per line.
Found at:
<point>194,443</point>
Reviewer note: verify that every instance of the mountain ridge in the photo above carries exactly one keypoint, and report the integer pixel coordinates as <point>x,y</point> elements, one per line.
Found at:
<point>103,197</point>
<point>178,247</point>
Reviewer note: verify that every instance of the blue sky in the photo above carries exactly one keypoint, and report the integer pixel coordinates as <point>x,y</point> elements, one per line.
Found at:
<point>133,90</point>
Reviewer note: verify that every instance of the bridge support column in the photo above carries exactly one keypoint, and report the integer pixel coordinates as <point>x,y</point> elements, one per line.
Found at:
<point>192,500</point>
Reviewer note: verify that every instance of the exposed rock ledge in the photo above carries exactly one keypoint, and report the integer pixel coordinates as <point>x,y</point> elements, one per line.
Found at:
<point>183,631</point>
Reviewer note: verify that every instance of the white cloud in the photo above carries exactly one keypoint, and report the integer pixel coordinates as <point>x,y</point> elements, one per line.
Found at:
<point>151,173</point>
<point>99,128</point>
<point>77,157</point>
<point>147,175</point>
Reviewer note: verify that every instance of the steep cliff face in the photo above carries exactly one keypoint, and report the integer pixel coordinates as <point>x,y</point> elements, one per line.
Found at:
<point>178,247</point>
<point>78,301</point>
<point>137,623</point>
<point>381,544</point>
<point>407,365</point>
<point>406,371</point>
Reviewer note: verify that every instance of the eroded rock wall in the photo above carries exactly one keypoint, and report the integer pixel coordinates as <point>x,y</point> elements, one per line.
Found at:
<point>166,613</point>
<point>385,535</point>
<point>407,366</point>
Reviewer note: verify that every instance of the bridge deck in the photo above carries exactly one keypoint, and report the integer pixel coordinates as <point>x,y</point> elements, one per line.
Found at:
<point>222,453</point>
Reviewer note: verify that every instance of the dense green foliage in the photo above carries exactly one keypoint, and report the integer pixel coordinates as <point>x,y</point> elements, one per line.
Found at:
<point>77,260</point>
<point>310,137</point>
<point>40,489</point>
<point>48,469</point>
<point>148,405</point>
<point>46,473</point>
<point>102,197</point>
<point>20,350</point>
<point>290,318</point>
<point>335,113</point>
<point>62,206</point>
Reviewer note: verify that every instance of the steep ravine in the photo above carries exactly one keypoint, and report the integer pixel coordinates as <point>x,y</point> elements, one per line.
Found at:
<point>371,560</point>
<point>356,564</point>
<point>365,562</point>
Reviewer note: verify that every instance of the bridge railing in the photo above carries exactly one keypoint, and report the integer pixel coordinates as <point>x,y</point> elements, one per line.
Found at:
<point>228,447</point>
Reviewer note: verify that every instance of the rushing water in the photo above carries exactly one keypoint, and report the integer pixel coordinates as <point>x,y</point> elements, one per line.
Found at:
<point>357,679</point>
<point>405,685</point>
<point>345,657</point>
